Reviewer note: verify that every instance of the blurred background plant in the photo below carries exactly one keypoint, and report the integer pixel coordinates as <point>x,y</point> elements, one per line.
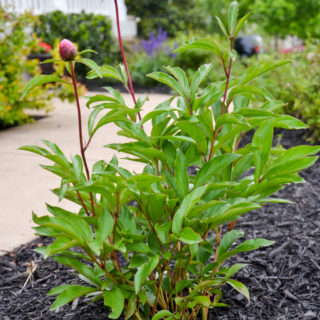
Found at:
<point>298,84</point>
<point>15,45</point>
<point>171,16</point>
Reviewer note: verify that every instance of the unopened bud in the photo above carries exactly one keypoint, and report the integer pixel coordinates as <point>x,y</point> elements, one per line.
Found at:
<point>67,50</point>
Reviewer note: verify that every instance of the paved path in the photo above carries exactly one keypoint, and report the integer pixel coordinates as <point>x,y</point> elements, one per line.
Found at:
<point>25,186</point>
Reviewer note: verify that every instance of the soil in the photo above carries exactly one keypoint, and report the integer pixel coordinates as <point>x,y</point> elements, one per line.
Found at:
<point>284,279</point>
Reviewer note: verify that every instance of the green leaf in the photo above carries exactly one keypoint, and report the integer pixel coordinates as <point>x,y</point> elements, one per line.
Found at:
<point>124,74</point>
<point>167,80</point>
<point>80,267</point>
<point>91,65</point>
<point>92,118</point>
<point>104,229</point>
<point>259,69</point>
<point>77,223</point>
<point>295,153</point>
<point>186,206</point>
<point>59,245</point>
<point>240,24</point>
<point>107,72</point>
<point>288,122</point>
<point>68,293</point>
<point>228,239</point>
<point>195,131</point>
<point>181,175</point>
<point>249,90</point>
<point>144,272</point>
<point>214,166</point>
<point>290,167</point>
<point>88,51</point>
<point>232,17</point>
<point>197,79</point>
<point>202,300</point>
<point>222,27</point>
<point>78,167</point>
<point>248,245</point>
<point>181,284</point>
<point>112,116</point>
<point>234,269</point>
<point>262,141</point>
<point>163,231</point>
<point>202,44</point>
<point>38,81</point>
<point>229,118</point>
<point>181,76</point>
<point>99,98</point>
<point>189,236</point>
<point>240,287</point>
<point>115,300</point>
<point>131,308</point>
<point>50,61</point>
<point>63,189</point>
<point>161,314</point>
<point>35,149</point>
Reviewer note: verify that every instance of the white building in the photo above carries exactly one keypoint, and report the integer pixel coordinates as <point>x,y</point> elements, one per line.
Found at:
<point>104,7</point>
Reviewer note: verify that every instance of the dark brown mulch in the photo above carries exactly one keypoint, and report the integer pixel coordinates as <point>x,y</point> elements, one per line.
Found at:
<point>284,279</point>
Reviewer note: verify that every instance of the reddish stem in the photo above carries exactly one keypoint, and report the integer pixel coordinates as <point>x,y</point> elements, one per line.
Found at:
<point>74,82</point>
<point>228,80</point>
<point>124,57</point>
<point>228,74</point>
<point>82,148</point>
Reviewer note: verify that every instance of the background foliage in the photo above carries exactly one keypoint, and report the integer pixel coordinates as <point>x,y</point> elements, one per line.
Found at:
<point>171,16</point>
<point>281,17</point>
<point>15,45</point>
<point>299,85</point>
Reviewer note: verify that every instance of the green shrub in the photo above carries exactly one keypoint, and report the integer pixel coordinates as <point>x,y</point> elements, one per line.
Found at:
<point>171,16</point>
<point>175,231</point>
<point>86,29</point>
<point>15,45</point>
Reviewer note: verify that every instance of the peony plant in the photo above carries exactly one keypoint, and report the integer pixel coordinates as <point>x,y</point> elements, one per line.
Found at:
<point>156,245</point>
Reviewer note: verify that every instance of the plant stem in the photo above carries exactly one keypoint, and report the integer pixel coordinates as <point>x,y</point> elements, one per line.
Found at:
<point>116,218</point>
<point>124,56</point>
<point>159,287</point>
<point>74,82</point>
<point>228,75</point>
<point>82,149</point>
<point>228,79</point>
<point>83,204</point>
<point>151,226</point>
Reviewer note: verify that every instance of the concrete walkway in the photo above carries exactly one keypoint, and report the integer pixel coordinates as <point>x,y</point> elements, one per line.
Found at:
<point>25,186</point>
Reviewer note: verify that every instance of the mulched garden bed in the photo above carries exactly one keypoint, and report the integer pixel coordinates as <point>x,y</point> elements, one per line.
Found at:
<point>284,279</point>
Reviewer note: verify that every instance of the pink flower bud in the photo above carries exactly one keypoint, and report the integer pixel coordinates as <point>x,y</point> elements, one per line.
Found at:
<point>67,50</point>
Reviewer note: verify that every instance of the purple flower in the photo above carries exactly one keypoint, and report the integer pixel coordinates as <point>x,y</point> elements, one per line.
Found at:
<point>155,43</point>
<point>67,50</point>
